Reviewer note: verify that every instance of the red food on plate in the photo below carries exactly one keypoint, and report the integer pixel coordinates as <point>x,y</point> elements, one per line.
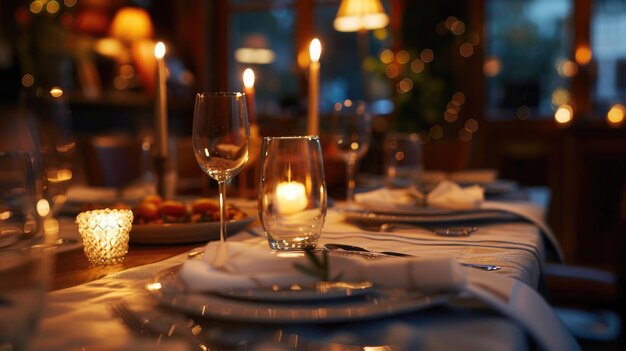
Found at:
<point>147,210</point>
<point>172,208</point>
<point>205,205</point>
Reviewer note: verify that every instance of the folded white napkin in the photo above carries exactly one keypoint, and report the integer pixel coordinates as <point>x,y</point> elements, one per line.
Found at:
<point>242,265</point>
<point>450,195</point>
<point>446,195</point>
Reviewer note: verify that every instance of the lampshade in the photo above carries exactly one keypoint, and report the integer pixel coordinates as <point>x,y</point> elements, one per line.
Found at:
<point>357,15</point>
<point>130,24</point>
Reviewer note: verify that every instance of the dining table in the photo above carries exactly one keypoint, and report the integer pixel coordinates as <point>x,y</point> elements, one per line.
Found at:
<point>498,309</point>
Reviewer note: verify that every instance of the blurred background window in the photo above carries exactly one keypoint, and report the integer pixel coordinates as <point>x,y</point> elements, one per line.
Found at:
<point>608,45</point>
<point>528,64</point>
<point>262,37</point>
<point>350,65</point>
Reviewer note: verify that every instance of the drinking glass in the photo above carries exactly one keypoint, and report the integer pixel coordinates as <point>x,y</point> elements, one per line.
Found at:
<point>221,137</point>
<point>352,129</point>
<point>54,139</point>
<point>292,192</point>
<point>25,260</point>
<point>403,160</point>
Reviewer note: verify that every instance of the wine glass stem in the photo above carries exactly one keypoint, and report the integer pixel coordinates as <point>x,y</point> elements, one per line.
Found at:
<point>222,189</point>
<point>350,172</point>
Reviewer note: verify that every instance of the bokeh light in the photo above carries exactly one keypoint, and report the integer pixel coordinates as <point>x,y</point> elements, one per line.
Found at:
<point>615,116</point>
<point>564,114</point>
<point>417,66</point>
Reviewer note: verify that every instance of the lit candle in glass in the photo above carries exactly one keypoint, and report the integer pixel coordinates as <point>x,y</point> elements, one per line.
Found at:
<point>248,89</point>
<point>105,234</point>
<point>315,51</point>
<point>290,197</point>
<point>160,102</point>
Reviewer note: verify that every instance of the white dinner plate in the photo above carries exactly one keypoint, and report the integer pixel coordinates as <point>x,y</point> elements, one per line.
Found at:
<point>182,233</point>
<point>323,290</point>
<point>169,290</point>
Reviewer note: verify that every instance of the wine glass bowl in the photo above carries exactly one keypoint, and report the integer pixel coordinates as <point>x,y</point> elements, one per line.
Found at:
<point>351,133</point>
<point>221,136</point>
<point>56,145</point>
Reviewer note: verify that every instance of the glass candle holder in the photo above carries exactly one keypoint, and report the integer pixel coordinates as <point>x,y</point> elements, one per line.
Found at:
<point>292,192</point>
<point>105,235</point>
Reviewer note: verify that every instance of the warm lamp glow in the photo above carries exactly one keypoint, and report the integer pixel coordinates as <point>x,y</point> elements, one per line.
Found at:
<point>110,47</point>
<point>255,56</point>
<point>131,23</point>
<point>248,78</point>
<point>315,50</point>
<point>255,50</point>
<point>358,15</point>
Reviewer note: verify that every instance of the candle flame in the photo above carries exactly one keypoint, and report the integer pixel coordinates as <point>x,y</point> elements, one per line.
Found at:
<point>159,50</point>
<point>248,78</point>
<point>315,50</point>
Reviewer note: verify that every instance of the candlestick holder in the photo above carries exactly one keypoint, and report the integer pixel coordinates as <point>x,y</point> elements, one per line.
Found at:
<point>166,176</point>
<point>105,235</point>
<point>292,192</point>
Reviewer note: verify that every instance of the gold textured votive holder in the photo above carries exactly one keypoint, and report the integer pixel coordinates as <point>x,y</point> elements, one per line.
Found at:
<point>105,235</point>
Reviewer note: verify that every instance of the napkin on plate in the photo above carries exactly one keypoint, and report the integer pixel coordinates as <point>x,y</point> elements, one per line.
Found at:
<point>450,195</point>
<point>242,265</point>
<point>446,195</point>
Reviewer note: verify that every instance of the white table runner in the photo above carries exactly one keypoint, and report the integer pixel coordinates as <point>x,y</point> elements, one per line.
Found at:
<point>78,317</point>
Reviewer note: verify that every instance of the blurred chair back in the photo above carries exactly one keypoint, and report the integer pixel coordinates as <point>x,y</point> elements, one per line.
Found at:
<point>447,155</point>
<point>113,160</point>
<point>191,179</point>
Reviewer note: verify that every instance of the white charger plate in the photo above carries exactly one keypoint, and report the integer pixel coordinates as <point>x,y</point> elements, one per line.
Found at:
<point>169,290</point>
<point>183,233</point>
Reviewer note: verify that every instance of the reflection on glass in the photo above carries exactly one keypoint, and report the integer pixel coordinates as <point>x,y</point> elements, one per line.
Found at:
<point>524,83</point>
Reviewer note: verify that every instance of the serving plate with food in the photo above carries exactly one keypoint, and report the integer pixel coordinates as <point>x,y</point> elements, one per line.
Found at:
<point>158,221</point>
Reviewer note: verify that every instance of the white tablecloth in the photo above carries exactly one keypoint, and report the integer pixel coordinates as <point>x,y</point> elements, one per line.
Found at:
<point>78,317</point>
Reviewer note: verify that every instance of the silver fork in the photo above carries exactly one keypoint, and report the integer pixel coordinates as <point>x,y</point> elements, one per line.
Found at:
<point>157,329</point>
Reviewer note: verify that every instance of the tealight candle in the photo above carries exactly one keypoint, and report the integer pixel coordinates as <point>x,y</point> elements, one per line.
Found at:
<point>105,234</point>
<point>290,197</point>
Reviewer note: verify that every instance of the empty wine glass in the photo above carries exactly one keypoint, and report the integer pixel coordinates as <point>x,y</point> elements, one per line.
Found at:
<point>54,139</point>
<point>351,131</point>
<point>221,135</point>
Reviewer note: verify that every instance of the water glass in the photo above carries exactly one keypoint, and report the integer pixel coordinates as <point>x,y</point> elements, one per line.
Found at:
<point>25,259</point>
<point>403,160</point>
<point>292,192</point>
